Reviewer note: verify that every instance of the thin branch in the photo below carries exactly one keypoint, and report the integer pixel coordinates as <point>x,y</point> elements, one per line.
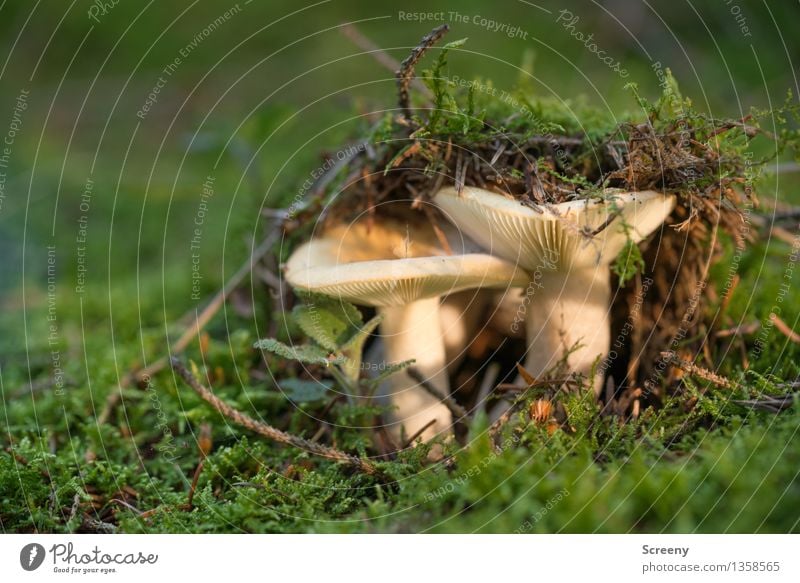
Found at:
<point>743,330</point>
<point>193,487</point>
<point>512,388</point>
<point>785,168</point>
<point>204,317</point>
<point>790,214</point>
<point>775,231</point>
<point>591,233</point>
<point>494,428</point>
<point>406,71</point>
<point>127,505</point>
<point>769,403</point>
<point>486,386</point>
<point>417,433</point>
<point>324,425</point>
<point>784,328</point>
<point>457,410</point>
<point>191,332</point>
<point>99,526</point>
<point>381,56</point>
<point>698,371</point>
<point>267,430</point>
<point>204,444</point>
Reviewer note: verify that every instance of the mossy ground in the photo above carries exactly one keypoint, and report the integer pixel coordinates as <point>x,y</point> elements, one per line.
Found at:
<point>740,476</point>
<point>722,468</point>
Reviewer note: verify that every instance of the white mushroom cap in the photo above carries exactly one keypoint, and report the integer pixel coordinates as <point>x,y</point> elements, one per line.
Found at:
<point>532,238</point>
<point>317,267</point>
<point>383,265</point>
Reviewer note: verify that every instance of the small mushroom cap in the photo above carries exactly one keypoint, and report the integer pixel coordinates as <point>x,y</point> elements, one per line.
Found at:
<point>347,267</point>
<point>383,238</point>
<point>389,238</point>
<point>572,234</point>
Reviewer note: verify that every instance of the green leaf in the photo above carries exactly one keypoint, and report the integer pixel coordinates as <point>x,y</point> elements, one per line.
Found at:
<point>434,79</point>
<point>356,341</point>
<point>469,114</point>
<point>672,103</point>
<point>328,321</point>
<point>353,349</point>
<point>302,353</point>
<point>305,391</point>
<point>629,262</point>
<point>389,371</point>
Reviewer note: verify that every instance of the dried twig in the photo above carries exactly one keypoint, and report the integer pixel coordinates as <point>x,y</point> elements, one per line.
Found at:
<point>200,321</point>
<point>784,329</point>
<point>494,428</point>
<point>99,526</point>
<point>489,378</point>
<point>204,445</point>
<point>698,371</point>
<point>406,71</point>
<point>512,388</point>
<point>20,459</point>
<point>591,233</point>
<point>324,425</point>
<point>775,231</point>
<point>267,430</point>
<point>381,56</point>
<point>127,505</point>
<point>457,410</point>
<point>769,403</point>
<point>213,306</point>
<point>783,235</point>
<point>786,214</point>
<point>417,433</point>
<point>76,504</point>
<point>437,230</point>
<point>742,330</point>
<point>384,441</point>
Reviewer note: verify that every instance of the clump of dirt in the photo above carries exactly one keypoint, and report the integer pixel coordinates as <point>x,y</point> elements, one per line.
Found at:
<point>544,153</point>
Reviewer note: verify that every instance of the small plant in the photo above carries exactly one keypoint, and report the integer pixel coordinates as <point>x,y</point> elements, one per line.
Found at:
<point>337,335</point>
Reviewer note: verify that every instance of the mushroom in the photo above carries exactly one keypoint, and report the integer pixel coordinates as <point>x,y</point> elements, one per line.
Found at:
<point>402,272</point>
<point>567,249</point>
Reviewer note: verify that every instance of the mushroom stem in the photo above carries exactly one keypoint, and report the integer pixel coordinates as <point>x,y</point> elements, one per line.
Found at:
<point>565,309</point>
<point>414,331</point>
